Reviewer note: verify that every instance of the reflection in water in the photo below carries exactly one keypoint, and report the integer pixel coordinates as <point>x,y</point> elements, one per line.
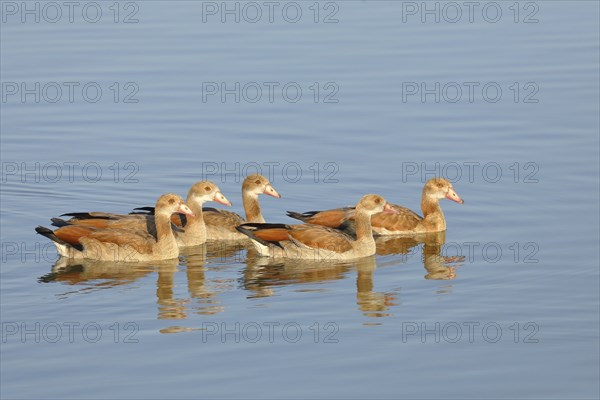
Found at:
<point>262,274</point>
<point>169,307</point>
<point>436,264</point>
<point>260,277</point>
<point>99,274</point>
<point>205,292</point>
<point>372,304</point>
<point>94,275</point>
<point>226,251</point>
<point>387,245</point>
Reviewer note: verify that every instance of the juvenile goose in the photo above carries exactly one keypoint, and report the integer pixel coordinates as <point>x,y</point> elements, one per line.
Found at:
<point>194,230</point>
<point>122,245</point>
<point>315,242</point>
<point>403,221</point>
<point>221,224</point>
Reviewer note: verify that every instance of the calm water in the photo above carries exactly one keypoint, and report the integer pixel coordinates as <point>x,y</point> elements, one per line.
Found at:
<point>369,99</point>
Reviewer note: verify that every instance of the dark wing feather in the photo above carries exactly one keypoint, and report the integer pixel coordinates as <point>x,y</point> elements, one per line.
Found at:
<point>331,218</point>
<point>52,236</point>
<point>265,234</point>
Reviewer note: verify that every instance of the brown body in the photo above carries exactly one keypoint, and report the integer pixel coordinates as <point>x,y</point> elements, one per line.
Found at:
<point>403,221</point>
<point>118,244</point>
<point>318,243</point>
<point>193,232</point>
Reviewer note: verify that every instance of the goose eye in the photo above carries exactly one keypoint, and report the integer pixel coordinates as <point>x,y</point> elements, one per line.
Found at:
<point>257,181</point>
<point>440,185</point>
<point>377,201</point>
<point>171,201</point>
<point>207,188</point>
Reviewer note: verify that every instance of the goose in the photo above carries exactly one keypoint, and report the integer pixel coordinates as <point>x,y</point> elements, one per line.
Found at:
<point>318,243</point>
<point>118,244</point>
<point>403,221</point>
<point>194,229</point>
<point>221,224</point>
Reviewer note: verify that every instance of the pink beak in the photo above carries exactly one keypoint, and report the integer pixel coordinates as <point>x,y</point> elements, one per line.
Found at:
<point>451,195</point>
<point>219,198</point>
<point>184,209</point>
<point>388,209</point>
<point>271,192</point>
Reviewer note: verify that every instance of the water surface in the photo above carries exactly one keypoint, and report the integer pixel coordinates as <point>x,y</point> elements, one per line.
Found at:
<point>502,305</point>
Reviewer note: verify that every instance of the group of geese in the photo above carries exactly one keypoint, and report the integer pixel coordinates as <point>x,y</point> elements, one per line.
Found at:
<point>157,233</point>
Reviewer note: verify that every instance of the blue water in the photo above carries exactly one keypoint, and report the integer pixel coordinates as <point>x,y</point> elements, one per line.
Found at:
<point>505,304</point>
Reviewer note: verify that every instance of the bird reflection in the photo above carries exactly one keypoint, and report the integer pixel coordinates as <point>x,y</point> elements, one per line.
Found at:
<point>260,278</point>
<point>88,275</point>
<point>99,274</point>
<point>263,274</point>
<point>438,266</point>
<point>169,307</point>
<point>225,251</point>
<point>205,292</point>
<point>372,304</point>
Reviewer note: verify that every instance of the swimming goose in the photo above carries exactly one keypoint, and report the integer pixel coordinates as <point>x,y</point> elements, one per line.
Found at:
<point>122,245</point>
<point>316,242</point>
<point>403,221</point>
<point>221,224</point>
<point>194,229</point>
